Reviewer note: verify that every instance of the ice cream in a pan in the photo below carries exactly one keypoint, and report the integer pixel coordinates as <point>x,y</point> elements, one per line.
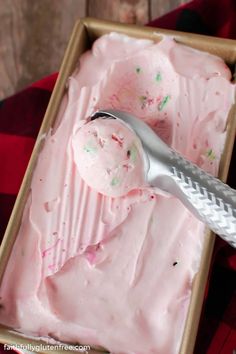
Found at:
<point>117,271</point>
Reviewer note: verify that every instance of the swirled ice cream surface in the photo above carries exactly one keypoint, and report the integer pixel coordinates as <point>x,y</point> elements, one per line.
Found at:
<point>118,272</point>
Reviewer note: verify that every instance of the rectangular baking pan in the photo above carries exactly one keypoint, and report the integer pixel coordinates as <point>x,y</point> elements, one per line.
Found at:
<point>85,32</point>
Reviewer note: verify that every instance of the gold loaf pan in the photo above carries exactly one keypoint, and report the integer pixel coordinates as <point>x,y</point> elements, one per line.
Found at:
<point>85,32</point>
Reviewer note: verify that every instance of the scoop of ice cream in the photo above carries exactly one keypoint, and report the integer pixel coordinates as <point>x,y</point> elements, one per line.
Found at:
<point>109,157</point>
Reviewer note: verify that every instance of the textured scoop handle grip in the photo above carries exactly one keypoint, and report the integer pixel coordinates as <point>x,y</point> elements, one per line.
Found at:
<point>210,199</point>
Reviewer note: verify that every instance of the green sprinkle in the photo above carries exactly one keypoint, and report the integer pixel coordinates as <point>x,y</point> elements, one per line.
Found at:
<point>163,103</point>
<point>143,101</point>
<point>133,153</point>
<point>138,70</point>
<point>143,98</point>
<point>115,181</point>
<point>210,154</point>
<point>158,77</point>
<point>90,148</point>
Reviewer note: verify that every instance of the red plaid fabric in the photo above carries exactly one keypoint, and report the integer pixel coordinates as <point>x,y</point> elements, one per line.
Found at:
<point>21,117</point>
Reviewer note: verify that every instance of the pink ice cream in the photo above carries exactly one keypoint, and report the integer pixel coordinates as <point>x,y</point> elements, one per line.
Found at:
<point>117,272</point>
<point>109,157</point>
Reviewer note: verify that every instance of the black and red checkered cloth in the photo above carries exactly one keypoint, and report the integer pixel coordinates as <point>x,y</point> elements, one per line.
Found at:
<point>21,116</point>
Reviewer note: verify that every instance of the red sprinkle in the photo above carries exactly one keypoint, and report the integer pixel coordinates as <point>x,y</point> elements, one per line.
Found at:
<point>117,139</point>
<point>101,142</point>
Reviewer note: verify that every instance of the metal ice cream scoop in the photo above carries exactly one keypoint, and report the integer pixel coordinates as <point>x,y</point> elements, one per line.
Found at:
<point>209,199</point>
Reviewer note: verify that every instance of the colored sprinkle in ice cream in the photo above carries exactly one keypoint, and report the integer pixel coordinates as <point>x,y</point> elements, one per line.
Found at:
<point>133,153</point>
<point>138,70</point>
<point>143,101</point>
<point>89,148</point>
<point>158,77</point>
<point>115,181</point>
<point>210,154</point>
<point>163,103</point>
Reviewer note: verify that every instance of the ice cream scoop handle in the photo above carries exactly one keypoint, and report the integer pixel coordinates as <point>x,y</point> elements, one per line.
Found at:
<point>210,199</point>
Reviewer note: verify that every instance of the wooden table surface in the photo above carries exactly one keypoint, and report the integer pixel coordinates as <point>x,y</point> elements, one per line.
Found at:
<point>34,33</point>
